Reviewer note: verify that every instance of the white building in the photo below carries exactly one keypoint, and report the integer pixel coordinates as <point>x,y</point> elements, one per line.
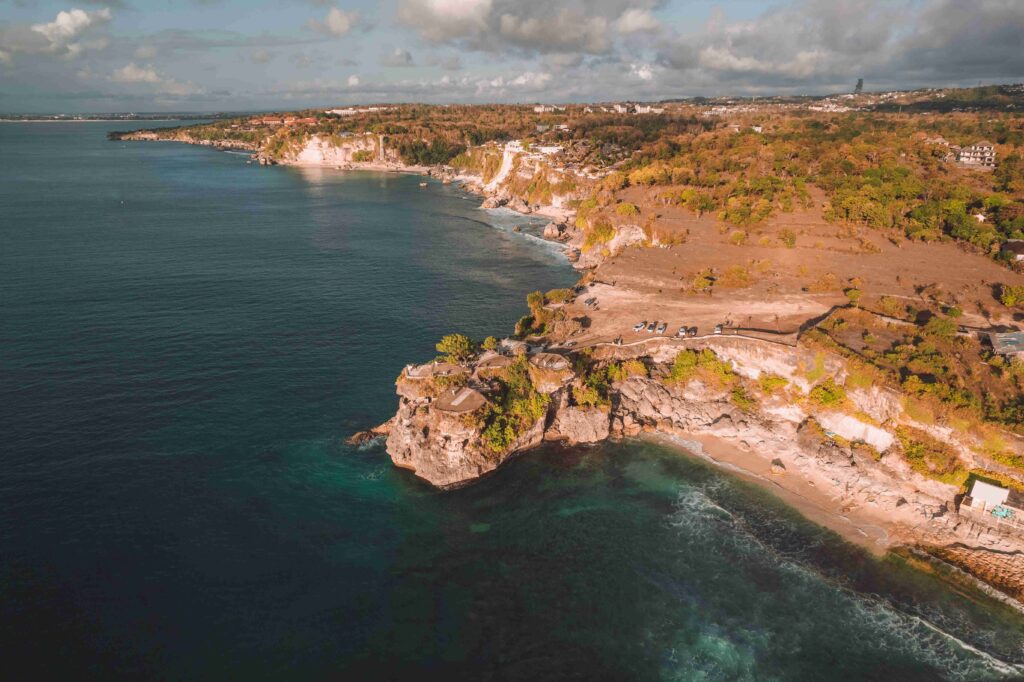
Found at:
<point>986,495</point>
<point>978,154</point>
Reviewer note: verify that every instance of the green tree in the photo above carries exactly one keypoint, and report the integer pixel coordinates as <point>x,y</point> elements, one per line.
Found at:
<point>456,347</point>
<point>1010,295</point>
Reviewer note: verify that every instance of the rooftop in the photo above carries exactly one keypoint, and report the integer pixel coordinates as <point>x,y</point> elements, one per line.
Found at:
<point>461,400</point>
<point>551,361</point>
<point>1007,343</point>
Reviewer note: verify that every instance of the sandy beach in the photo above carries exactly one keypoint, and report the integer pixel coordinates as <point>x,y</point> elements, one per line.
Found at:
<point>859,526</point>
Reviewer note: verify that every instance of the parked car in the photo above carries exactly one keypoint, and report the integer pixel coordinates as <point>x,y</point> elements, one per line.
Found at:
<point>692,332</point>
<point>662,327</point>
<point>683,331</point>
<point>639,326</point>
<point>651,327</point>
<point>718,329</point>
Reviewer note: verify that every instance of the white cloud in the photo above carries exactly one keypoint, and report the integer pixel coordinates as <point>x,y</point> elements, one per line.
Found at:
<point>353,81</point>
<point>635,20</point>
<point>62,37</point>
<point>69,24</point>
<point>131,74</point>
<point>642,71</point>
<point>529,27</point>
<point>531,80</point>
<point>337,22</point>
<point>441,20</point>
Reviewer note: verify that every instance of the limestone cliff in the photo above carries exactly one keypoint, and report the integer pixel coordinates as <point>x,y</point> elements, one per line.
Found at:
<point>849,453</point>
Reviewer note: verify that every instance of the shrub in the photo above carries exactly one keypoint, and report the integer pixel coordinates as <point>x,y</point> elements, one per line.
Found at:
<point>941,327</point>
<point>627,209</point>
<point>1011,296</point>
<point>828,393</point>
<point>586,396</point>
<point>362,156</point>
<point>559,295</point>
<point>600,233</point>
<point>735,276</point>
<point>456,347</point>
<point>891,306</point>
<point>627,369</point>
<point>702,281</point>
<point>930,457</point>
<point>741,399</point>
<point>788,238</point>
<point>689,363</point>
<point>738,237</point>
<point>770,383</point>
<point>490,343</point>
<point>517,407</point>
<point>853,294</point>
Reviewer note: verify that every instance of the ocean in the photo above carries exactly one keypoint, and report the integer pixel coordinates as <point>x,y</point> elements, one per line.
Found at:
<point>186,339</point>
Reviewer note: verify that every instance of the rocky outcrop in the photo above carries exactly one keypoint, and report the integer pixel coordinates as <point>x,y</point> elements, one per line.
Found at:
<point>856,464</point>
<point>445,449</point>
<point>574,425</point>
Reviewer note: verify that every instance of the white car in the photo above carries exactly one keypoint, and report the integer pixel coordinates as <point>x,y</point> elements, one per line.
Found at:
<point>683,331</point>
<point>639,326</point>
<point>662,327</point>
<point>651,326</point>
<point>718,329</point>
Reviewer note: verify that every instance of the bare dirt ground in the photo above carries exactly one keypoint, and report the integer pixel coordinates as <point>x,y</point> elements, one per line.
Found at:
<point>763,284</point>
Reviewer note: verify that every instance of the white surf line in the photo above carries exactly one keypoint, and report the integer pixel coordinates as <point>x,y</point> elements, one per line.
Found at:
<point>996,663</point>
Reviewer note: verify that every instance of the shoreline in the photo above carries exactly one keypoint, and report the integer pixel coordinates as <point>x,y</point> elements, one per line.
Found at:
<point>877,535</point>
<point>875,530</point>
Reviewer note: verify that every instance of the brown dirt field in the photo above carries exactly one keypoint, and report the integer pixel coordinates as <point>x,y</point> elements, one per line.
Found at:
<point>763,284</point>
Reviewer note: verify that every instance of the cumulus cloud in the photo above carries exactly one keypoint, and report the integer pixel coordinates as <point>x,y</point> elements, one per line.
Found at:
<point>637,21</point>
<point>642,71</point>
<point>67,36</point>
<point>132,74</point>
<point>528,26</point>
<point>444,20</point>
<point>69,24</point>
<point>398,57</point>
<point>812,44</point>
<point>336,23</point>
<point>353,81</point>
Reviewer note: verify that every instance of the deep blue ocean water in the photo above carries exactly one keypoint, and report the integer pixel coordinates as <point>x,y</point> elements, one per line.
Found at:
<point>185,341</point>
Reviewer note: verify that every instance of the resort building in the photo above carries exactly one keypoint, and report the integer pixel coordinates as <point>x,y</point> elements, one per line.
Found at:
<point>1007,343</point>
<point>1000,504</point>
<point>981,154</point>
<point>1014,247</point>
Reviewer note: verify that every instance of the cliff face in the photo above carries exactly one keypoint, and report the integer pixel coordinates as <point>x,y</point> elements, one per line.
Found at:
<point>850,462</point>
<point>444,446</point>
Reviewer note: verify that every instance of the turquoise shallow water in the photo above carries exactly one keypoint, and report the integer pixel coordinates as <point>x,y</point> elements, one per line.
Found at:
<point>186,339</point>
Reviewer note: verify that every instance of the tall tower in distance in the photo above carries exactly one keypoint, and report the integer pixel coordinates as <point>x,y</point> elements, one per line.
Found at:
<point>860,86</point>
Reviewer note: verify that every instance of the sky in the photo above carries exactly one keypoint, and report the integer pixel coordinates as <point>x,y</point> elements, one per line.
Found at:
<point>235,55</point>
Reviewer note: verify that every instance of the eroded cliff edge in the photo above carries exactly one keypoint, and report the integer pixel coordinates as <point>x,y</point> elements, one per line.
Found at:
<point>787,406</point>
